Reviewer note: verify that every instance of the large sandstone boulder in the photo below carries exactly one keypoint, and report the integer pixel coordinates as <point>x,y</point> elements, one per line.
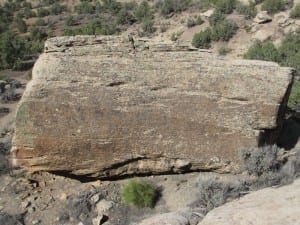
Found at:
<point>98,107</point>
<point>270,206</point>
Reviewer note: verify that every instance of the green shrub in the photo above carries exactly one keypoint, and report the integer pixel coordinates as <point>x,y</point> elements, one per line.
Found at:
<point>139,194</point>
<point>28,13</point>
<point>37,34</point>
<point>143,11</point>
<point>175,36</point>
<point>40,22</point>
<point>148,26</point>
<point>48,2</point>
<point>191,22</point>
<point>169,6</point>
<point>42,12</point>
<point>69,21</point>
<point>223,30</point>
<point>224,50</point>
<point>57,9</point>
<point>99,26</point>
<point>111,6</point>
<point>216,17</point>
<point>294,98</point>
<point>289,51</point>
<point>296,12</point>
<point>249,11</point>
<point>21,25</point>
<point>225,6</point>
<point>85,8</point>
<point>12,49</point>
<point>263,51</point>
<point>125,17</point>
<point>273,6</point>
<point>202,39</point>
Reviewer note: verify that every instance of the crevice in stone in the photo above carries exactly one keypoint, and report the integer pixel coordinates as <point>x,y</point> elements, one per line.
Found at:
<point>115,83</point>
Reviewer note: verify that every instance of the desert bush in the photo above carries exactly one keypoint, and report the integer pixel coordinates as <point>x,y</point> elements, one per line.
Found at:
<point>139,194</point>
<point>202,39</point>
<point>261,160</point>
<point>28,13</point>
<point>85,8</point>
<point>57,9</point>
<point>289,51</point>
<point>273,6</point>
<point>224,50</point>
<point>48,2</point>
<point>294,98</point>
<point>69,21</point>
<point>143,11</point>
<point>216,17</point>
<point>21,25</point>
<point>225,6</point>
<point>214,191</point>
<point>148,26</point>
<point>125,17</point>
<point>42,12</point>
<point>296,12</point>
<point>40,22</point>
<point>164,27</point>
<point>263,51</point>
<point>223,30</point>
<point>130,5</point>
<point>101,26</point>
<point>175,36</point>
<point>166,7</point>
<point>111,6</point>
<point>27,5</point>
<point>249,11</point>
<point>191,22</point>
<point>37,34</point>
<point>12,49</point>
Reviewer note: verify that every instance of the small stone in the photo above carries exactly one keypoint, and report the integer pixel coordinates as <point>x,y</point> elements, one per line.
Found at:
<point>208,13</point>
<point>25,204</point>
<point>64,217</point>
<point>63,196</point>
<point>80,223</point>
<point>35,222</point>
<point>103,206</point>
<point>31,209</point>
<point>1,207</point>
<point>262,17</point>
<point>95,198</point>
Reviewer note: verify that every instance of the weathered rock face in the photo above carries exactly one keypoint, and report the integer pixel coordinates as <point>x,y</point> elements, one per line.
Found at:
<point>270,206</point>
<point>97,107</point>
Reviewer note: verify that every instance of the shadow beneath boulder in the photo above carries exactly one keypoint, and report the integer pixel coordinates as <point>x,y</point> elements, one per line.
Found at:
<point>290,134</point>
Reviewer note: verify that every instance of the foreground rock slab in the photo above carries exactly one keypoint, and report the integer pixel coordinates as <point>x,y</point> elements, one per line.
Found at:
<point>97,107</point>
<point>270,206</point>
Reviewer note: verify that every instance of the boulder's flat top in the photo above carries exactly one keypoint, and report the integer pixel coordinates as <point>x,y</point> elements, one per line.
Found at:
<point>97,106</point>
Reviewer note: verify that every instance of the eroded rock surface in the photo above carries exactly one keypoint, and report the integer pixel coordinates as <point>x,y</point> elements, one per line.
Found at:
<point>98,107</point>
<point>270,206</point>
